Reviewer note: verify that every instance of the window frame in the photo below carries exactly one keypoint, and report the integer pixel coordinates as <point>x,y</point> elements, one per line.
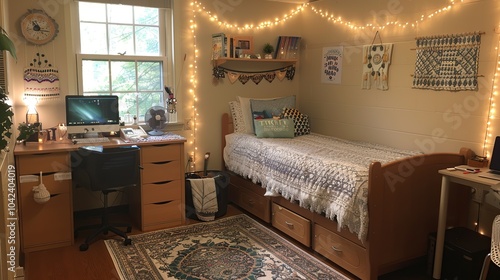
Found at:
<point>165,56</point>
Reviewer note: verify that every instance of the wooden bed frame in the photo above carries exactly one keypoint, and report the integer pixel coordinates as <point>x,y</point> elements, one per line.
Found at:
<point>403,207</point>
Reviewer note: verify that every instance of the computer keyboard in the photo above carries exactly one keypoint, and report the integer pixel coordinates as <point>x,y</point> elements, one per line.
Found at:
<point>92,140</point>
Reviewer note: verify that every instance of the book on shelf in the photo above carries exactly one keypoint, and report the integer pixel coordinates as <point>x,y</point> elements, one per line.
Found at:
<point>222,46</point>
<point>287,47</point>
<point>218,45</point>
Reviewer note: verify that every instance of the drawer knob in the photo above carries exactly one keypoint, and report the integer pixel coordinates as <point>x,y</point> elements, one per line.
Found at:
<point>290,225</point>
<point>251,202</point>
<point>337,248</point>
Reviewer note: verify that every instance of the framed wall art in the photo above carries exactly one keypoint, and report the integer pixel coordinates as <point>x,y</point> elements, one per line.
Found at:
<point>244,44</point>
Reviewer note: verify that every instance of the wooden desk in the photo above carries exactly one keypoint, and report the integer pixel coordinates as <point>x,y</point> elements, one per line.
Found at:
<point>157,203</point>
<point>481,186</point>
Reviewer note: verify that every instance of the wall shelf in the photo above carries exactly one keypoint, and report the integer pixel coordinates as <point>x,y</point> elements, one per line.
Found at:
<point>223,60</point>
<point>234,61</point>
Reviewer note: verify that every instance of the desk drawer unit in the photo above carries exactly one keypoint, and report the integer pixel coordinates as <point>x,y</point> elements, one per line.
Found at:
<point>162,188</point>
<point>50,224</point>
<point>292,224</point>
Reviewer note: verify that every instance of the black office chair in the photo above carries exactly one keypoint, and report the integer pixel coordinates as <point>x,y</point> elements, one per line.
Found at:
<point>105,170</point>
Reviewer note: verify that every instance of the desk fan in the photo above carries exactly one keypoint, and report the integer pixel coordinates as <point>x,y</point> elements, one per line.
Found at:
<point>157,120</point>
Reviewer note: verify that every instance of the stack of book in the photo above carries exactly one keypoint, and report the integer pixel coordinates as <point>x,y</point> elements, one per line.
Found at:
<point>287,48</point>
<point>219,45</point>
<point>222,46</point>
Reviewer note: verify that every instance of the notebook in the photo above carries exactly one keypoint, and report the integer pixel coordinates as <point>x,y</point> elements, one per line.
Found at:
<point>494,171</point>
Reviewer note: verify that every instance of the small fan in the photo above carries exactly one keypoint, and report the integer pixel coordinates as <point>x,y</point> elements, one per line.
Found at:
<point>157,119</point>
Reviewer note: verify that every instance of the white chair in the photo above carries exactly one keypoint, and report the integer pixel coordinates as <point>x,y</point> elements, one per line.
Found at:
<point>494,255</point>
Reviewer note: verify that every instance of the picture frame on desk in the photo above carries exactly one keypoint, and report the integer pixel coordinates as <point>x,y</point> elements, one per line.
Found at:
<point>244,44</point>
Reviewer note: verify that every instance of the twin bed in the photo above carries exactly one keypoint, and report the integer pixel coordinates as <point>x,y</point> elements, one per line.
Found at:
<point>366,207</point>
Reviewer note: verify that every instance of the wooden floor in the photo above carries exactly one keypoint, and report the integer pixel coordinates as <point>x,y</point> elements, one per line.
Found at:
<point>95,263</point>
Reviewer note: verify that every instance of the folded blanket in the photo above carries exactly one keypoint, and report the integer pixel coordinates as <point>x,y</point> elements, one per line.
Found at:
<point>204,198</point>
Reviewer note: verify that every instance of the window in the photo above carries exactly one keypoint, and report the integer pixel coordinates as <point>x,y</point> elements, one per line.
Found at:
<point>123,53</point>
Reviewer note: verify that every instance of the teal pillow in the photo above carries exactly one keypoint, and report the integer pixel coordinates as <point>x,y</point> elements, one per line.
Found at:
<point>272,107</point>
<point>271,128</point>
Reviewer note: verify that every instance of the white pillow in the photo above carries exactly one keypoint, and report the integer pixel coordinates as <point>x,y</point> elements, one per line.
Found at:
<point>237,115</point>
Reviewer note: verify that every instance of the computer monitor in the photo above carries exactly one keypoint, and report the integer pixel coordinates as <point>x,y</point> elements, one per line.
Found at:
<point>91,115</point>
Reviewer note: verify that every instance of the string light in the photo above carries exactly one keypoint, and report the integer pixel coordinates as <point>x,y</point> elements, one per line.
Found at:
<point>194,83</point>
<point>331,17</point>
<point>488,135</point>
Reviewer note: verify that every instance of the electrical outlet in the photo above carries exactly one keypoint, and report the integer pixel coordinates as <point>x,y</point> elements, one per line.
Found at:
<point>187,124</point>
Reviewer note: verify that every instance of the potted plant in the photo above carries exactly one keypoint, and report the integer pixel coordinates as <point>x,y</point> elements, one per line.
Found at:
<point>5,111</point>
<point>268,50</point>
<point>26,130</point>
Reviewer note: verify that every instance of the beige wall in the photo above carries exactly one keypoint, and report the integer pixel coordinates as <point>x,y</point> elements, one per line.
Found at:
<point>400,117</point>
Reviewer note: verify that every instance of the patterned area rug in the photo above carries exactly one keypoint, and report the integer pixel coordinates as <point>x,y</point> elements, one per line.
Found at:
<point>229,248</point>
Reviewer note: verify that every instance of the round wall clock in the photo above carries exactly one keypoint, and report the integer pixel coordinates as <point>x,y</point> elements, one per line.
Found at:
<point>38,27</point>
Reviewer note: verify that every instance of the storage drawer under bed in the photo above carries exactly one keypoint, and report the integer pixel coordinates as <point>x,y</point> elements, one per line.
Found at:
<point>293,225</point>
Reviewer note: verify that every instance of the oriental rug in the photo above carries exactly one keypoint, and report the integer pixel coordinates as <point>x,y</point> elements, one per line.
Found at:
<point>235,247</point>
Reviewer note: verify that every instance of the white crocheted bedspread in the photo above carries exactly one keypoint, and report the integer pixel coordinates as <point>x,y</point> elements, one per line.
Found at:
<point>324,174</point>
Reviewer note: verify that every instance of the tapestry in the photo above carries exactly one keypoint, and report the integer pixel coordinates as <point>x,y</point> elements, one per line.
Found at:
<point>41,79</point>
<point>376,61</point>
<point>236,247</point>
<point>331,72</point>
<point>448,62</point>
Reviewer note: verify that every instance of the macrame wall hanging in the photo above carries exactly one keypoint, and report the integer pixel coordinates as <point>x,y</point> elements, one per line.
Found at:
<point>376,60</point>
<point>41,80</point>
<point>220,72</point>
<point>448,62</point>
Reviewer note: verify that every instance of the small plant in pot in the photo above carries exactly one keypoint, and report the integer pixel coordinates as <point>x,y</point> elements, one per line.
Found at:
<point>268,50</point>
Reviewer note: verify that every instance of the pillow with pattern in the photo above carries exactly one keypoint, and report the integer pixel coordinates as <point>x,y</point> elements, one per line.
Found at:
<point>301,121</point>
<point>237,115</point>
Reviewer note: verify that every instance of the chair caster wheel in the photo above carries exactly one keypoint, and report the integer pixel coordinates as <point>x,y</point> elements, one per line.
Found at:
<point>84,247</point>
<point>127,241</point>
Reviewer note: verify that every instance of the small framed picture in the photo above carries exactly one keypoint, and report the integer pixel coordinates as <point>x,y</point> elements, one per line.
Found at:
<point>244,44</point>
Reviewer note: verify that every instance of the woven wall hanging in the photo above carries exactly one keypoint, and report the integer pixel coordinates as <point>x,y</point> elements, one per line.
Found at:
<point>448,62</point>
<point>376,61</point>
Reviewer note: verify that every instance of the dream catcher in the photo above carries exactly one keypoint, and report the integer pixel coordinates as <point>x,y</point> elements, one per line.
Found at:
<point>376,60</point>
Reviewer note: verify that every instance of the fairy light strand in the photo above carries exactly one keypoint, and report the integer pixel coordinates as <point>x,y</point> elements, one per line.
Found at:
<point>329,16</point>
<point>488,135</point>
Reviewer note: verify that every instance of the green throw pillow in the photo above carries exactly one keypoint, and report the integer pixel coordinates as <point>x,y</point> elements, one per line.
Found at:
<point>271,128</point>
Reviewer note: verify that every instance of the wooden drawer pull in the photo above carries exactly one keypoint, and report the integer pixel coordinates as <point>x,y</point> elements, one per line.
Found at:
<point>337,248</point>
<point>161,162</point>
<point>251,202</point>
<point>290,225</point>
<point>162,182</point>
<point>163,202</point>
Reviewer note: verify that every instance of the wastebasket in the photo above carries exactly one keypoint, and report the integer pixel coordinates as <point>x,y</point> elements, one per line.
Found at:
<point>221,187</point>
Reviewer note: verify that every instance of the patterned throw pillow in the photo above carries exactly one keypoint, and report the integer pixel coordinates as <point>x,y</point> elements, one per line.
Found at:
<point>237,114</point>
<point>301,121</point>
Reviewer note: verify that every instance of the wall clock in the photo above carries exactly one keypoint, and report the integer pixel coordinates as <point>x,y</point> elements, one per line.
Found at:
<point>38,28</point>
